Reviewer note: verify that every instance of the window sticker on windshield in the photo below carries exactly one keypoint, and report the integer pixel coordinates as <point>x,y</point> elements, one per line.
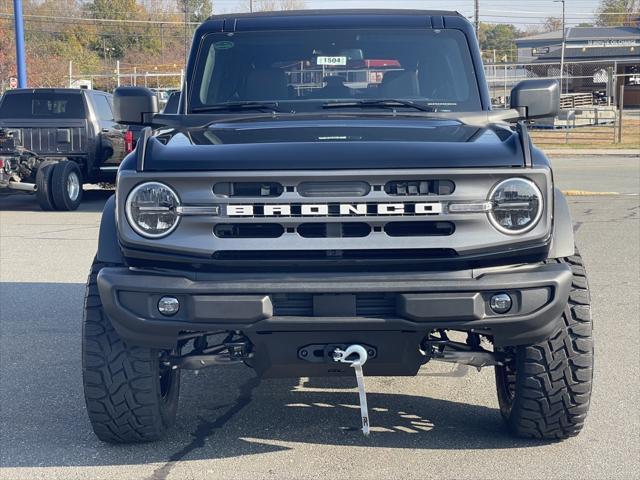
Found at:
<point>332,60</point>
<point>223,45</point>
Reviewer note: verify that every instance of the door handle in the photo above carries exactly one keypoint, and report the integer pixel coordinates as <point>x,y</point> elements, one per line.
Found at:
<point>105,130</point>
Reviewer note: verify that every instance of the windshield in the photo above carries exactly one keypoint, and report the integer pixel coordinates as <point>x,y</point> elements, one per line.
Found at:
<point>306,70</point>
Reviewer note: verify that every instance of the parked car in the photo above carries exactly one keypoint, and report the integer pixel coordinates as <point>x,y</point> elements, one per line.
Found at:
<point>337,228</point>
<point>70,138</point>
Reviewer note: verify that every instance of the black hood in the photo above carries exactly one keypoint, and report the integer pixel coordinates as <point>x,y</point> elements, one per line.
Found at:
<point>334,144</point>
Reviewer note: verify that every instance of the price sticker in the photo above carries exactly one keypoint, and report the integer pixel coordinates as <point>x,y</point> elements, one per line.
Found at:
<point>335,61</point>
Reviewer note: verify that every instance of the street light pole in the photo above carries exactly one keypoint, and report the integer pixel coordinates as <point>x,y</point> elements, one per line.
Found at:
<point>477,19</point>
<point>20,56</point>
<point>564,43</point>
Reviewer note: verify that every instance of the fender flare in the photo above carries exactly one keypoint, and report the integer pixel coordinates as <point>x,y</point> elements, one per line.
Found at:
<point>562,241</point>
<point>108,246</point>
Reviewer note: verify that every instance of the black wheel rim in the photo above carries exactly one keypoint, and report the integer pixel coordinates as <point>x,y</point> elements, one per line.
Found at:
<point>506,376</point>
<point>166,375</point>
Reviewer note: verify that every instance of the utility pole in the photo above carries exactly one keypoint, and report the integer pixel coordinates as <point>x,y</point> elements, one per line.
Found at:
<point>162,43</point>
<point>564,43</point>
<point>186,31</point>
<point>476,17</point>
<point>20,56</point>
<point>251,6</point>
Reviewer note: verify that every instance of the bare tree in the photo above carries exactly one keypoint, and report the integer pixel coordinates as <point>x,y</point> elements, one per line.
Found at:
<point>552,24</point>
<point>618,12</point>
<point>275,5</point>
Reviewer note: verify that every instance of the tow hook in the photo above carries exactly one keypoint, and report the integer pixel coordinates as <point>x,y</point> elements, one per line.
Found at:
<point>228,353</point>
<point>345,356</point>
<point>470,353</point>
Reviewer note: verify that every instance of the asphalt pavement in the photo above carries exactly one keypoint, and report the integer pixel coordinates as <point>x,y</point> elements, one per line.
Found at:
<point>441,424</point>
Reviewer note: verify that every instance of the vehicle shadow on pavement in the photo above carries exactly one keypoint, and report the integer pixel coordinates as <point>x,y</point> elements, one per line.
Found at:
<point>224,412</point>
<point>92,201</point>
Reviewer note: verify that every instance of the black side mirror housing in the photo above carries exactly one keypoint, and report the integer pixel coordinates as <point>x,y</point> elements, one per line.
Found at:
<point>536,98</point>
<point>134,105</point>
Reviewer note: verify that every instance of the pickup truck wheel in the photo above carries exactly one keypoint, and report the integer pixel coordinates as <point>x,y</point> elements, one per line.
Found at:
<point>43,184</point>
<point>66,186</point>
<point>131,397</point>
<point>545,389</point>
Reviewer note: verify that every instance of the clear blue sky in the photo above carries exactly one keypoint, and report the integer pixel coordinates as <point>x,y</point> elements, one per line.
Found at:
<point>520,12</point>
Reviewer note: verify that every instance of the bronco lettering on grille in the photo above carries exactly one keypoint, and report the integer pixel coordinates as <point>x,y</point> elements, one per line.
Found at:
<point>333,209</point>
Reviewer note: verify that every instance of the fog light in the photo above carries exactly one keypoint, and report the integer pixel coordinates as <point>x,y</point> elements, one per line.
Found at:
<point>168,306</point>
<point>500,303</point>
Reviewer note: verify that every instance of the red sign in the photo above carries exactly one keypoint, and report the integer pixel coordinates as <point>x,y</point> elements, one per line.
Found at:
<point>13,82</point>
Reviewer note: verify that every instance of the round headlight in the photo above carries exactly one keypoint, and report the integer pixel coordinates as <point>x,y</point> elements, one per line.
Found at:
<point>517,205</point>
<point>151,209</point>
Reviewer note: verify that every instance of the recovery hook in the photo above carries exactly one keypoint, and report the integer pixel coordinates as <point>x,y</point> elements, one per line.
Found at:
<point>361,353</point>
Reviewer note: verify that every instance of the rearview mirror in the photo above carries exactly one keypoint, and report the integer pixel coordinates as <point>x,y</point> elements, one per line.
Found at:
<point>134,105</point>
<point>536,98</point>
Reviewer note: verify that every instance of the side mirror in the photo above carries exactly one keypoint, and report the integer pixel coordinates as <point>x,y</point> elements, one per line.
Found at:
<point>134,105</point>
<point>536,98</point>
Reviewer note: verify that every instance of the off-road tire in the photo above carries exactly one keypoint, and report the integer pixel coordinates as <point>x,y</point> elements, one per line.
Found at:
<point>43,184</point>
<point>545,389</point>
<point>122,384</point>
<point>60,190</point>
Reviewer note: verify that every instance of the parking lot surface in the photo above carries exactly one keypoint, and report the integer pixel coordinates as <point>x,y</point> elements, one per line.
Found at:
<point>441,424</point>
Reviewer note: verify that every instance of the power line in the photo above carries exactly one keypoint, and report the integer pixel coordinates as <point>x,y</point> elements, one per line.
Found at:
<point>97,21</point>
<point>575,14</point>
<point>102,20</point>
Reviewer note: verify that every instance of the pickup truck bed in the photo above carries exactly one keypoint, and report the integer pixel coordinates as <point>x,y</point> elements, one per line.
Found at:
<point>66,138</point>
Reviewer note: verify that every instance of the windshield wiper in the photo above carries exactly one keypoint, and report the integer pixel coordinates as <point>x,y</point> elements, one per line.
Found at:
<point>384,103</point>
<point>236,106</point>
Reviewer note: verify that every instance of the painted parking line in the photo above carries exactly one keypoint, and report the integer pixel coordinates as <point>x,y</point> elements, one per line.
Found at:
<point>587,193</point>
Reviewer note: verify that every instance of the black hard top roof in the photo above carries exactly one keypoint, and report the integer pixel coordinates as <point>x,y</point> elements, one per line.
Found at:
<point>334,12</point>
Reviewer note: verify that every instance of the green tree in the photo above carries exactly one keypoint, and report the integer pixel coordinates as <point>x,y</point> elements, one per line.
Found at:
<point>499,38</point>
<point>119,32</point>
<point>74,44</point>
<point>618,12</point>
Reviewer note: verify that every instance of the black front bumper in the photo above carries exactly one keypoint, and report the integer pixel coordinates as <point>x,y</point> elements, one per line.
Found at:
<point>280,313</point>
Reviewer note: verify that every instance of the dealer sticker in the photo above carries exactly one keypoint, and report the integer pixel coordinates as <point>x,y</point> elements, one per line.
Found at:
<point>223,45</point>
<point>340,61</point>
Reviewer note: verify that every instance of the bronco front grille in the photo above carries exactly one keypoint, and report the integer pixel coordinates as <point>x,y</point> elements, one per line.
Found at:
<point>315,210</point>
<point>333,230</point>
<point>329,219</point>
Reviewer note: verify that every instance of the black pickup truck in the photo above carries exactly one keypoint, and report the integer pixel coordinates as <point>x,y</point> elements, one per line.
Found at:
<point>336,195</point>
<point>52,141</point>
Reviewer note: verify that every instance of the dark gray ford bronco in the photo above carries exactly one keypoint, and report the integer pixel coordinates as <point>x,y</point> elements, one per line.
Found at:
<point>334,196</point>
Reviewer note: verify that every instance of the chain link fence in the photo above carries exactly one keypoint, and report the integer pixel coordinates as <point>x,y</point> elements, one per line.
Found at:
<point>591,110</point>
<point>598,78</point>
